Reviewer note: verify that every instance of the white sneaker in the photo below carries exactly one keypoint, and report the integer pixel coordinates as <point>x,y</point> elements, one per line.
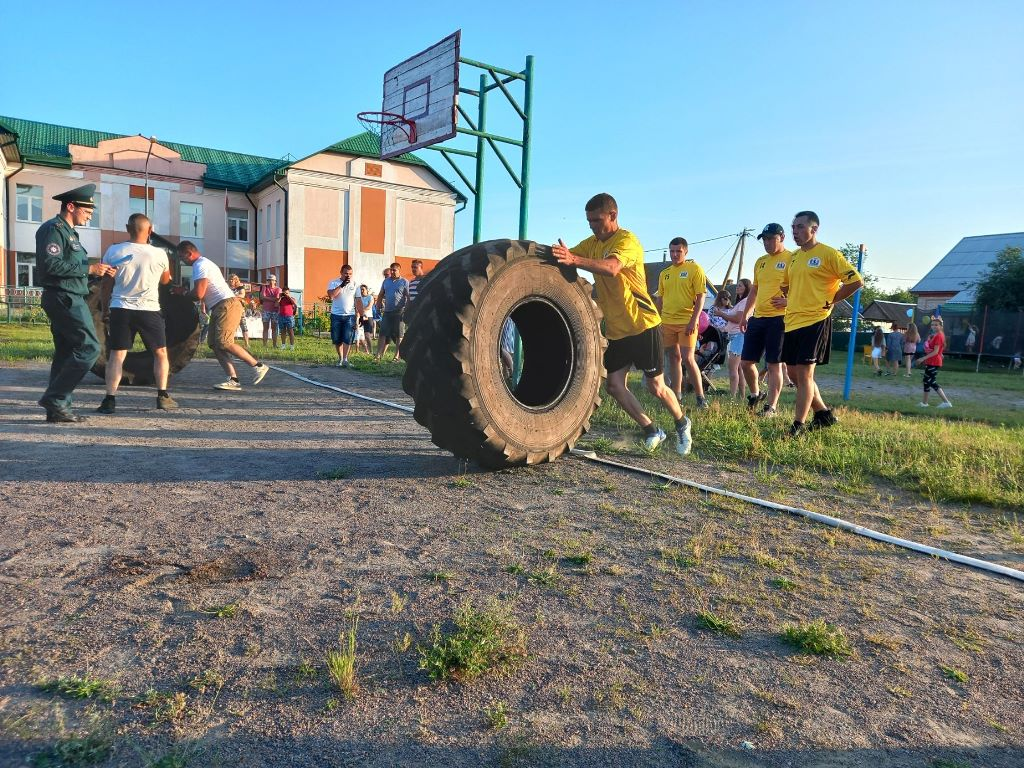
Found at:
<point>945,404</point>
<point>231,385</point>
<point>684,441</point>
<point>339,364</point>
<point>923,405</point>
<point>653,441</point>
<point>259,372</point>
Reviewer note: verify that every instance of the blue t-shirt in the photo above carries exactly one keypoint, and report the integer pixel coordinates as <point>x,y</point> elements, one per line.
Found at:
<point>396,294</point>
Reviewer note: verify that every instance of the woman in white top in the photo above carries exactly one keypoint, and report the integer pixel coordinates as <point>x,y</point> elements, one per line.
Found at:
<point>732,317</point>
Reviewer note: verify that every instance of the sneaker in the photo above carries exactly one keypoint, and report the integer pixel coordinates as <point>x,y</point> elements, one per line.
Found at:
<point>165,403</point>
<point>823,419</point>
<point>754,400</point>
<point>684,441</point>
<point>107,406</point>
<point>768,412</point>
<point>796,429</point>
<point>231,385</point>
<point>945,404</point>
<point>340,364</point>
<point>922,405</point>
<point>344,363</point>
<point>259,372</point>
<point>702,403</point>
<point>653,441</point>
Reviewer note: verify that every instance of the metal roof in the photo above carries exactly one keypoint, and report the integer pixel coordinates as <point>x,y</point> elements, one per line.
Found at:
<point>887,311</point>
<point>966,262</point>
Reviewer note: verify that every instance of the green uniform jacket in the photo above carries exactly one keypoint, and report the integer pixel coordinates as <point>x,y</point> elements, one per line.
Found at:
<point>61,261</point>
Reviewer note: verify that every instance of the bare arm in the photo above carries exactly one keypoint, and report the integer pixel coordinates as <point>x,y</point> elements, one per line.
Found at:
<point>749,309</point>
<point>165,278</point>
<point>698,306</point>
<point>846,290</point>
<point>199,289</point>
<point>609,267</point>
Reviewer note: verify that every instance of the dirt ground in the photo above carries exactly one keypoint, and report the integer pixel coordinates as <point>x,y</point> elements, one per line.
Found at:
<point>120,537</point>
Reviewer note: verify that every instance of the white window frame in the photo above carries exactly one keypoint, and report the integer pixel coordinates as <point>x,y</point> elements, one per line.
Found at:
<point>25,259</point>
<point>191,234</point>
<point>135,207</point>
<point>237,217</point>
<point>277,218</point>
<point>28,193</point>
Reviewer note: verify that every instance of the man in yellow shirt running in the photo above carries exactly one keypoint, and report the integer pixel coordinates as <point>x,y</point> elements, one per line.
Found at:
<point>680,300</point>
<point>763,332</point>
<point>632,323</point>
<point>818,277</point>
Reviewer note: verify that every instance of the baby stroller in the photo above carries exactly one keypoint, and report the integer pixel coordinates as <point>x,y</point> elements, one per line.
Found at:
<point>711,351</point>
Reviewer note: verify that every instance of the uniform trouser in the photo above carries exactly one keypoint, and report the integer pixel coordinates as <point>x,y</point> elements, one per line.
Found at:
<point>75,346</point>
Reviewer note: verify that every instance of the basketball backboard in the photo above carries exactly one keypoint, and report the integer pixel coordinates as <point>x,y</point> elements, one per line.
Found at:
<point>424,89</point>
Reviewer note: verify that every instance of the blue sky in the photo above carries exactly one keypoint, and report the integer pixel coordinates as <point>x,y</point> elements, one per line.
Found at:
<point>901,123</point>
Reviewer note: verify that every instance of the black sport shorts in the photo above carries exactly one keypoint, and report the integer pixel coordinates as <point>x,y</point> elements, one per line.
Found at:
<point>807,345</point>
<point>642,350</point>
<point>764,337</point>
<point>125,323</point>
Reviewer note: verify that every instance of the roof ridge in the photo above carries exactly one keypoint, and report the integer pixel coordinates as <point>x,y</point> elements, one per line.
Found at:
<point>130,135</point>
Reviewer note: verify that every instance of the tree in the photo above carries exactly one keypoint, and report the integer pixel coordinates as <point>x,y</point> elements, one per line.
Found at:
<point>1002,285</point>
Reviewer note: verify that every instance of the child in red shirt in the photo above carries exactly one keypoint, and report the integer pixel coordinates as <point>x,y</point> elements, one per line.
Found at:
<point>286,318</point>
<point>932,361</point>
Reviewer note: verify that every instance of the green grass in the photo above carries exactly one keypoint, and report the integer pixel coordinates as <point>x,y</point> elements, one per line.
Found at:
<point>953,673</point>
<point>818,637</point>
<point>723,625</point>
<point>226,611</point>
<point>341,663</point>
<point>90,749</point>
<point>481,640</point>
<point>939,454</point>
<point>33,343</point>
<point>75,687</point>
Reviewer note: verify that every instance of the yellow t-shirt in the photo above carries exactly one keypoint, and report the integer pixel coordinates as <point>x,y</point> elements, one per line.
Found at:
<point>679,285</point>
<point>814,277</point>
<point>627,307</point>
<point>769,277</point>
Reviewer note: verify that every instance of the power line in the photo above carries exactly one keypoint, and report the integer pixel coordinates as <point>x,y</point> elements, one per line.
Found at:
<point>694,242</point>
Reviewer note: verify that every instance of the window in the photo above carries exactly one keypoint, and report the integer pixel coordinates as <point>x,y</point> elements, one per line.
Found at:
<point>238,226</point>
<point>259,226</point>
<point>30,203</point>
<point>137,200</point>
<point>277,216</point>
<point>191,220</point>
<point>26,269</point>
<point>269,222</point>
<point>94,222</point>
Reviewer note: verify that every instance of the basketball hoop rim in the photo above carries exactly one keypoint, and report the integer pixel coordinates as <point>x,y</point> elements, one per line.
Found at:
<point>389,118</point>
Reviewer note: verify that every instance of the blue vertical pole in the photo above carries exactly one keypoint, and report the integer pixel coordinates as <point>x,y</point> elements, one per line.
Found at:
<point>524,192</point>
<point>853,330</point>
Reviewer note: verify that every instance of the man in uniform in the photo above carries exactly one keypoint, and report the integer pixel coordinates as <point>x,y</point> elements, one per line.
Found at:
<point>63,269</point>
<point>680,300</point>
<point>818,277</point>
<point>135,308</point>
<point>632,323</point>
<point>763,332</point>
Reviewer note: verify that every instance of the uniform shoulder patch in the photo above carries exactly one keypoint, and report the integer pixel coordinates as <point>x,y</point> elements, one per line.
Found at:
<point>53,249</point>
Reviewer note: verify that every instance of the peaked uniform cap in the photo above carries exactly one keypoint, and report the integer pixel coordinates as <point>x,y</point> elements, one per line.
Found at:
<point>79,196</point>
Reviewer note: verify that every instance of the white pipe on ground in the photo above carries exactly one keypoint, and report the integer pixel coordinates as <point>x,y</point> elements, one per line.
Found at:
<point>835,522</point>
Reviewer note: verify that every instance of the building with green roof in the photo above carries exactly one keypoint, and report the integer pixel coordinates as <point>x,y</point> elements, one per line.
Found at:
<point>298,219</point>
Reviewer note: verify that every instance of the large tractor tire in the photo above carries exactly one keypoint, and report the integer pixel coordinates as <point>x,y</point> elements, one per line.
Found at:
<point>181,322</point>
<point>452,347</point>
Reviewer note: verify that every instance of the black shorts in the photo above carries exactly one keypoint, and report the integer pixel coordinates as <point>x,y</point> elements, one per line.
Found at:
<point>125,323</point>
<point>764,337</point>
<point>808,345</point>
<point>642,350</point>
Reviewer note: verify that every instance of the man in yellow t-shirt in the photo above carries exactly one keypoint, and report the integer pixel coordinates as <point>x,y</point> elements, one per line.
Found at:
<point>763,332</point>
<point>632,323</point>
<point>818,277</point>
<point>680,299</point>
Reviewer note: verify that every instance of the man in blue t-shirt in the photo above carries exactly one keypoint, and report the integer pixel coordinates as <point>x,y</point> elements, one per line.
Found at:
<point>393,298</point>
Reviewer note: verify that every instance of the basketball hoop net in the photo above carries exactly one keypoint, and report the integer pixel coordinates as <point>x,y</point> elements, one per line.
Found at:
<point>388,126</point>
